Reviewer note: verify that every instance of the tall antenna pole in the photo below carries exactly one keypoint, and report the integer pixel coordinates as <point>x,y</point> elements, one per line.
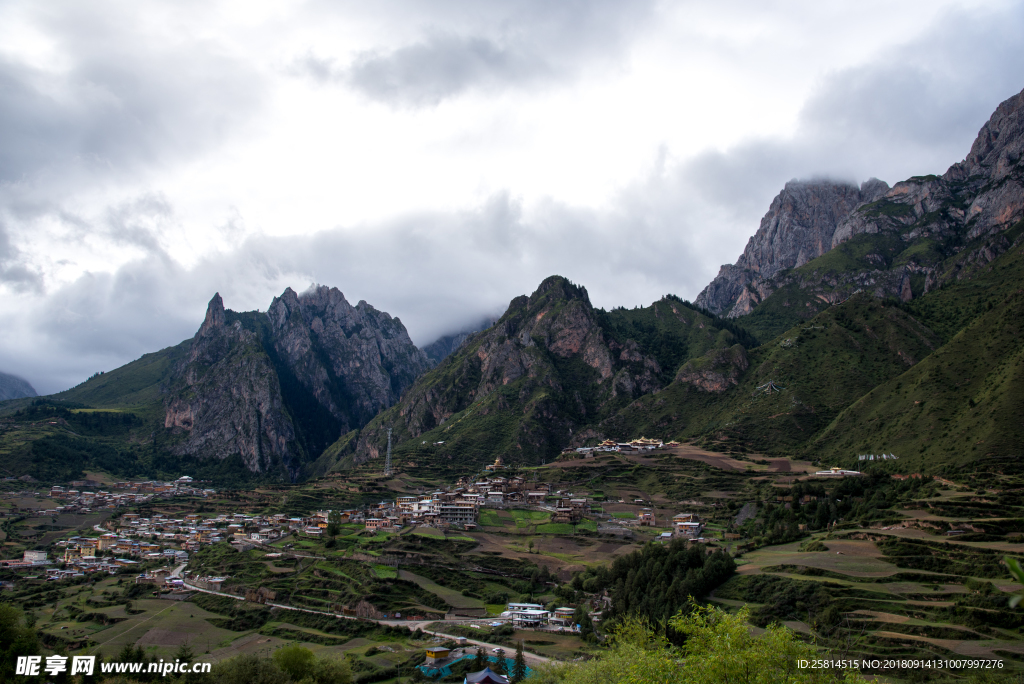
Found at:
<point>387,460</point>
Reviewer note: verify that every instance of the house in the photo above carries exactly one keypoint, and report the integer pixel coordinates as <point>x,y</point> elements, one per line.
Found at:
<point>436,653</point>
<point>378,524</point>
<point>690,530</point>
<point>35,557</point>
<point>562,616</point>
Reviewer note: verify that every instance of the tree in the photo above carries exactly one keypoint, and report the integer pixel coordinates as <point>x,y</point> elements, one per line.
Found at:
<point>499,665</point>
<point>185,653</point>
<point>17,638</point>
<point>481,656</point>
<point>333,523</point>
<point>719,650</point>
<point>249,669</point>
<point>519,665</point>
<point>332,671</point>
<point>296,661</point>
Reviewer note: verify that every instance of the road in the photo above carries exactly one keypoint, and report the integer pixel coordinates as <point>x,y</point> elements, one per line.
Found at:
<point>531,658</point>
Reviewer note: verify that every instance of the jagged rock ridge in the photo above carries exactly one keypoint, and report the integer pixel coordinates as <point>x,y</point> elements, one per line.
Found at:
<point>929,229</point>
<point>798,227</point>
<point>277,388</point>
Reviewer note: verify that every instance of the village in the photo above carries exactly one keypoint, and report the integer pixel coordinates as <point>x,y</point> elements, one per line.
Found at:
<point>130,539</point>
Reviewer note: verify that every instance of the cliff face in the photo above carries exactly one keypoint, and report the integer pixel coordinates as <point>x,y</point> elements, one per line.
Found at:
<point>278,388</point>
<point>355,360</point>
<point>799,226</point>
<point>227,399</point>
<point>899,242</point>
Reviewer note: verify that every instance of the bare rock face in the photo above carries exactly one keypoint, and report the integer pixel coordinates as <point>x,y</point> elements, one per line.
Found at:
<point>227,399</point>
<point>798,227</point>
<point>278,388</point>
<point>355,360</point>
<point>957,220</point>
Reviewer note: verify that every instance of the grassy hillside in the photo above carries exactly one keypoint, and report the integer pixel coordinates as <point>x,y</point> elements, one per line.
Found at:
<point>962,404</point>
<point>134,385</point>
<point>816,370</point>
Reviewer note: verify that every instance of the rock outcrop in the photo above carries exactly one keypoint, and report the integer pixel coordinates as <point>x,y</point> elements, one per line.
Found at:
<point>227,399</point>
<point>798,227</point>
<point>278,388</point>
<point>355,360</point>
<point>931,229</point>
<point>716,371</point>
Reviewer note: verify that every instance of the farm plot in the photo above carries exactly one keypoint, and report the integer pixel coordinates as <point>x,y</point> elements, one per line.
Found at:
<point>450,596</point>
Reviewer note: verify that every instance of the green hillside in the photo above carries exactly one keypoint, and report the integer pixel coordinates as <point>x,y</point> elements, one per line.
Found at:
<point>794,386</point>
<point>962,404</point>
<point>543,378</point>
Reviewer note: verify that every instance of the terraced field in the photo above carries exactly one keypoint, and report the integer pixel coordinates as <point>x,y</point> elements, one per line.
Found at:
<point>899,590</point>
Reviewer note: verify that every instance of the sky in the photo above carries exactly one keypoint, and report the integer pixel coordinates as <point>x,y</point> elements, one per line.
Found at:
<point>439,158</point>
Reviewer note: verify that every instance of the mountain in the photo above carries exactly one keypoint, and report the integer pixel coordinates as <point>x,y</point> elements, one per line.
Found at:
<point>278,388</point>
<point>800,226</point>
<point>819,244</point>
<point>13,387</point>
<point>542,376</point>
<point>254,393</point>
<point>440,348</point>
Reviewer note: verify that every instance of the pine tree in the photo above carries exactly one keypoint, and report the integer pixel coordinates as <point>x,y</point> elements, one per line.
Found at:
<point>519,666</point>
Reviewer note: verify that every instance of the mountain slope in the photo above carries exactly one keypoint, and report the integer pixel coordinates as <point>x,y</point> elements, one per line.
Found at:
<point>922,233</point>
<point>964,402</point>
<point>777,396</point>
<point>251,394</point>
<point>550,369</point>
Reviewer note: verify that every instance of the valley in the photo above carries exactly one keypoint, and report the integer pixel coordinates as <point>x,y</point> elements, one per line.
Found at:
<point>829,439</point>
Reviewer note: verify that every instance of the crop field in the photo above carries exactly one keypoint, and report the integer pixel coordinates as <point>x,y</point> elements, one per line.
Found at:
<point>902,590</point>
<point>450,596</point>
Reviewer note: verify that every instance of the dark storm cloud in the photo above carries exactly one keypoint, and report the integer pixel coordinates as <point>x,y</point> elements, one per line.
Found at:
<point>493,47</point>
<point>121,102</point>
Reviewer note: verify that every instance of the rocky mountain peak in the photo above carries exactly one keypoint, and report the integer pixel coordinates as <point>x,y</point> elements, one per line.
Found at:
<point>797,228</point>
<point>558,288</point>
<point>214,315</point>
<point>998,147</point>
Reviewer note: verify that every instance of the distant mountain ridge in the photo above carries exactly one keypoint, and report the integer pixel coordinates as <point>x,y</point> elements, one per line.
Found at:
<point>13,387</point>
<point>858,320</point>
<point>800,226</point>
<point>820,242</point>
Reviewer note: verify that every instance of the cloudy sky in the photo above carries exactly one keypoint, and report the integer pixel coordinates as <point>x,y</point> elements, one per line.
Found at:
<point>438,158</point>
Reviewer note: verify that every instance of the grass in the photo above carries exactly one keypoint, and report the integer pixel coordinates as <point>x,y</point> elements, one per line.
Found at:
<point>385,571</point>
<point>624,515</point>
<point>489,518</point>
<point>450,596</point>
<point>566,528</point>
